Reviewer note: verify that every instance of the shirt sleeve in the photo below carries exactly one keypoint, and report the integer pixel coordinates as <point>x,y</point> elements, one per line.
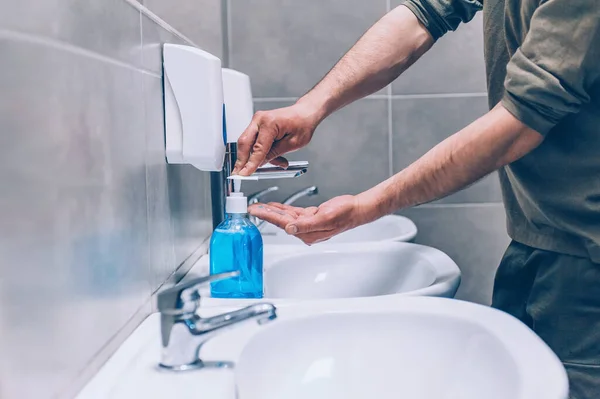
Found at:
<point>441,16</point>
<point>556,67</point>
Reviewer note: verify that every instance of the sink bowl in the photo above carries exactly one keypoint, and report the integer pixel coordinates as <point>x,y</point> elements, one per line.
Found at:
<point>388,228</point>
<point>351,271</point>
<point>337,271</point>
<point>434,349</point>
<point>377,347</point>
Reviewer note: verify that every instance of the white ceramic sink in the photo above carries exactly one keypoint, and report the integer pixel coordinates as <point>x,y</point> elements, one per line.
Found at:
<point>388,228</point>
<point>452,350</point>
<point>385,347</point>
<point>357,270</point>
<point>353,271</point>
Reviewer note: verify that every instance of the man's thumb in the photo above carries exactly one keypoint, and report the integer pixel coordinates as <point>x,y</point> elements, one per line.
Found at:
<point>304,225</point>
<point>291,229</point>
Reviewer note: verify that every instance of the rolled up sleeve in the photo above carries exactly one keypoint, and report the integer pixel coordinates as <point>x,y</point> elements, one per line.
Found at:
<point>553,72</point>
<point>441,16</point>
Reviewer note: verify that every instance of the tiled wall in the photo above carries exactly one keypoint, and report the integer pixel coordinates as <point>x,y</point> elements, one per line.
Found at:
<point>286,46</point>
<point>92,220</point>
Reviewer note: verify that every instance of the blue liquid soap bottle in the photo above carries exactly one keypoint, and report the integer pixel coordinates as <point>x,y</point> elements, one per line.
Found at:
<point>236,245</point>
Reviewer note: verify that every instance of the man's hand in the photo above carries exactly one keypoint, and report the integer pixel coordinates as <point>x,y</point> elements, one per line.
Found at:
<point>492,141</point>
<point>379,57</point>
<point>272,134</point>
<point>313,225</point>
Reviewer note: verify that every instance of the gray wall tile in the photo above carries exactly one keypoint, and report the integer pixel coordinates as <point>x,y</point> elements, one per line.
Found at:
<point>153,37</point>
<point>348,153</point>
<point>189,199</point>
<point>455,64</point>
<point>73,236</point>
<point>199,20</point>
<point>162,260</point>
<point>287,46</point>
<point>108,27</point>
<point>473,236</point>
<point>421,123</point>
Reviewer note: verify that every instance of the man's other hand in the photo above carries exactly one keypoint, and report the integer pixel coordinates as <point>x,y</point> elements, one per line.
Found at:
<point>314,224</point>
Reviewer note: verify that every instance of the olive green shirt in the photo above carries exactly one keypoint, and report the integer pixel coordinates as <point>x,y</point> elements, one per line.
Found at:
<point>543,64</point>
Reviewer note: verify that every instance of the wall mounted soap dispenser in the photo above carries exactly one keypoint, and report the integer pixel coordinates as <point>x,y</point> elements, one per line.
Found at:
<point>193,87</point>
<point>239,106</point>
<point>207,108</point>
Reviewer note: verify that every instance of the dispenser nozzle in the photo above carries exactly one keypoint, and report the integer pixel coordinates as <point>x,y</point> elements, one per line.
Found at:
<point>237,185</point>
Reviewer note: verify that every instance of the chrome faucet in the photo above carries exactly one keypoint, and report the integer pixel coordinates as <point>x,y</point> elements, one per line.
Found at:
<point>184,333</point>
<point>307,192</point>
<point>256,197</point>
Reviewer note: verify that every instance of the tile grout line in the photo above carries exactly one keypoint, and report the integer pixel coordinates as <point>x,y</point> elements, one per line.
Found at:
<point>291,99</point>
<point>389,93</point>
<point>44,41</point>
<point>436,95</point>
<point>162,23</point>
<point>274,99</point>
<point>146,162</point>
<point>225,63</point>
<point>386,96</point>
<point>229,38</point>
<point>390,130</point>
<point>141,38</point>
<point>459,205</point>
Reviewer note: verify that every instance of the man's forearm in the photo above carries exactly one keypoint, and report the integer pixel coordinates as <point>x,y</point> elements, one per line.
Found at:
<point>385,51</point>
<point>492,141</point>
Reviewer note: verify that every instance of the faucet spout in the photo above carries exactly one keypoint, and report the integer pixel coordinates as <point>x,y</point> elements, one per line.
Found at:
<point>261,312</point>
<point>306,192</point>
<point>257,197</point>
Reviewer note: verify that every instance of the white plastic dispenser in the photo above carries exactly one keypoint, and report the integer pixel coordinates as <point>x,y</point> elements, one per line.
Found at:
<point>206,107</point>
<point>194,116</point>
<point>239,107</point>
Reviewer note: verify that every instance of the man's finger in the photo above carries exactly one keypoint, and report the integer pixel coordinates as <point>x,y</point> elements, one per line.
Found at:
<point>315,237</point>
<point>279,161</point>
<point>308,224</point>
<point>271,215</point>
<point>278,149</point>
<point>244,146</point>
<point>310,211</point>
<point>292,210</point>
<point>260,149</point>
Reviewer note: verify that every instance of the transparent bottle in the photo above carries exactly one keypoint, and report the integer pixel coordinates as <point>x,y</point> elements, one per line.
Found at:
<point>236,245</point>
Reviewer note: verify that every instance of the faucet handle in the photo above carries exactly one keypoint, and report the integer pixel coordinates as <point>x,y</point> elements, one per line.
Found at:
<point>184,297</point>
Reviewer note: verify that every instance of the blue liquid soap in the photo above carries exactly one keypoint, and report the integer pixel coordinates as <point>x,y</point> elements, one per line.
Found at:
<point>236,245</point>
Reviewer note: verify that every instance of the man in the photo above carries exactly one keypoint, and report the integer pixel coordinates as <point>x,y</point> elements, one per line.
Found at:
<point>542,133</point>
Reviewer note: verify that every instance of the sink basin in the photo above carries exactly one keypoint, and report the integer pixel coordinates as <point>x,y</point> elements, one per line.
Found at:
<point>359,270</point>
<point>388,228</point>
<point>458,350</point>
<point>377,347</point>
<point>349,271</point>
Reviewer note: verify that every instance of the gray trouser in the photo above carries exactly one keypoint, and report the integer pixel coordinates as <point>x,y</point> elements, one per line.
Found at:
<point>558,296</point>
